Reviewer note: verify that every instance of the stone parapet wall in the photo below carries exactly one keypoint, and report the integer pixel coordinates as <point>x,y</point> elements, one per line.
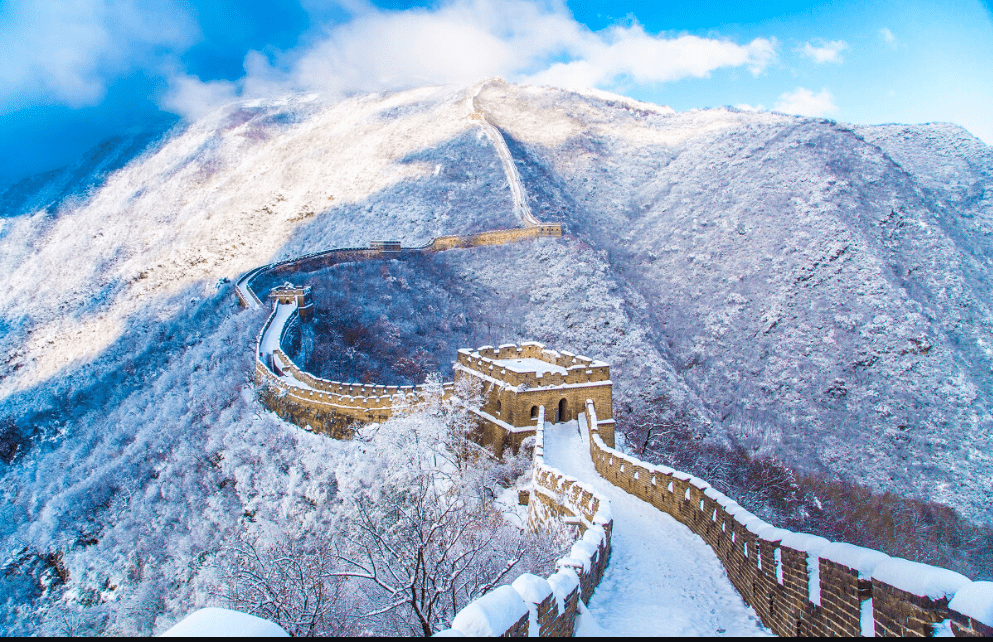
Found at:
<point>495,237</point>
<point>803,585</point>
<point>335,408</point>
<point>537,607</point>
<point>329,258</point>
<point>328,407</point>
<point>374,393</point>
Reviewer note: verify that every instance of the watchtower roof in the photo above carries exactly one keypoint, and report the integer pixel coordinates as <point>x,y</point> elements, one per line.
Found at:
<point>532,364</point>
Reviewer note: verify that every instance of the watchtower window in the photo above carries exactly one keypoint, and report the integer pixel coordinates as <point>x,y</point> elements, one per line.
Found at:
<point>534,412</point>
<point>498,406</point>
<point>563,416</point>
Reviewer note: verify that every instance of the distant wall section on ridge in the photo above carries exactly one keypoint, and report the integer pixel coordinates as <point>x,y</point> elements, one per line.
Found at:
<point>245,288</point>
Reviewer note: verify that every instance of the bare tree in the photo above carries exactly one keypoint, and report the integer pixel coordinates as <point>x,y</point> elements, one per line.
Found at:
<point>425,540</point>
<point>418,534</point>
<point>425,554</point>
<point>295,588</point>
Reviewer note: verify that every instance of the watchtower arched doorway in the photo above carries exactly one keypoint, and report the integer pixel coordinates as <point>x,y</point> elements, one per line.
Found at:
<point>563,413</point>
<point>534,412</point>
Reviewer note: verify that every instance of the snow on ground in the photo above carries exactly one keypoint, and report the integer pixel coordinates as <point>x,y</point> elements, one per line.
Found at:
<point>223,623</point>
<point>662,580</point>
<point>531,365</point>
<point>270,341</point>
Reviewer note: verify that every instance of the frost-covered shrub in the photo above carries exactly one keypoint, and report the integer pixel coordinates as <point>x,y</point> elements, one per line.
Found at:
<point>413,540</point>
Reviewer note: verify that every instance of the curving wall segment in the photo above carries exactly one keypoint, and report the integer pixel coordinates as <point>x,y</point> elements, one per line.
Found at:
<point>333,407</point>
<point>799,584</point>
<point>244,286</point>
<point>548,607</point>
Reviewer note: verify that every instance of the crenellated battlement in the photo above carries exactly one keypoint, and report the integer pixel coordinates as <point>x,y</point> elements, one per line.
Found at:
<point>537,607</point>
<point>518,380</point>
<point>492,362</point>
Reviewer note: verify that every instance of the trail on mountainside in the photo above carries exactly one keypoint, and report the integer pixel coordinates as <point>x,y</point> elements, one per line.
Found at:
<point>513,176</point>
<point>662,579</point>
<point>243,283</point>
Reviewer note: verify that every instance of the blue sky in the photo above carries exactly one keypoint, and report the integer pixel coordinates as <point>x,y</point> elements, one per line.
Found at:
<point>78,72</point>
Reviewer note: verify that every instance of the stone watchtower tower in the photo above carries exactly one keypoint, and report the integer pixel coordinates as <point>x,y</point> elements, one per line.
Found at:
<point>289,293</point>
<point>517,380</point>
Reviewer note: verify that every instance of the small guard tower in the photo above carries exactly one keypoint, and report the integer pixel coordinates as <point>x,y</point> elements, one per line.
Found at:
<point>289,293</point>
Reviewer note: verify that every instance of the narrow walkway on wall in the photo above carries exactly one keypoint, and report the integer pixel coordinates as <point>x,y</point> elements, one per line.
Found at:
<point>270,340</point>
<point>662,579</point>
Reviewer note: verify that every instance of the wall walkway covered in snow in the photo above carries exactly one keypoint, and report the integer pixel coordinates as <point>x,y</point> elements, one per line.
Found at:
<point>803,585</point>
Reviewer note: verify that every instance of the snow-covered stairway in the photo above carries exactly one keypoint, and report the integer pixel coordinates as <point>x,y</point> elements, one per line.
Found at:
<point>662,578</point>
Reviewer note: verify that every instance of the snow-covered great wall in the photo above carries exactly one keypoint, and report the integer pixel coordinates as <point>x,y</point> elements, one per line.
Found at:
<point>798,584</point>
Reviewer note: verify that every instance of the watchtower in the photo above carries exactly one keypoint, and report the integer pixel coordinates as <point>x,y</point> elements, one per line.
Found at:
<point>518,379</point>
<point>386,247</point>
<point>289,293</point>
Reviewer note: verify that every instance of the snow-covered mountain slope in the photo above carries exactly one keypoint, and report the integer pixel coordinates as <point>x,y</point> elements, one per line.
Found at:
<point>233,191</point>
<point>123,369</point>
<point>822,285</point>
<point>829,286</point>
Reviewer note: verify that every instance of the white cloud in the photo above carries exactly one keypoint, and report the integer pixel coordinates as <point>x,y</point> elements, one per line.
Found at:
<point>70,51</point>
<point>888,37</point>
<point>827,52</point>
<point>747,107</point>
<point>804,102</point>
<point>461,41</point>
<point>631,52</point>
<point>193,98</point>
